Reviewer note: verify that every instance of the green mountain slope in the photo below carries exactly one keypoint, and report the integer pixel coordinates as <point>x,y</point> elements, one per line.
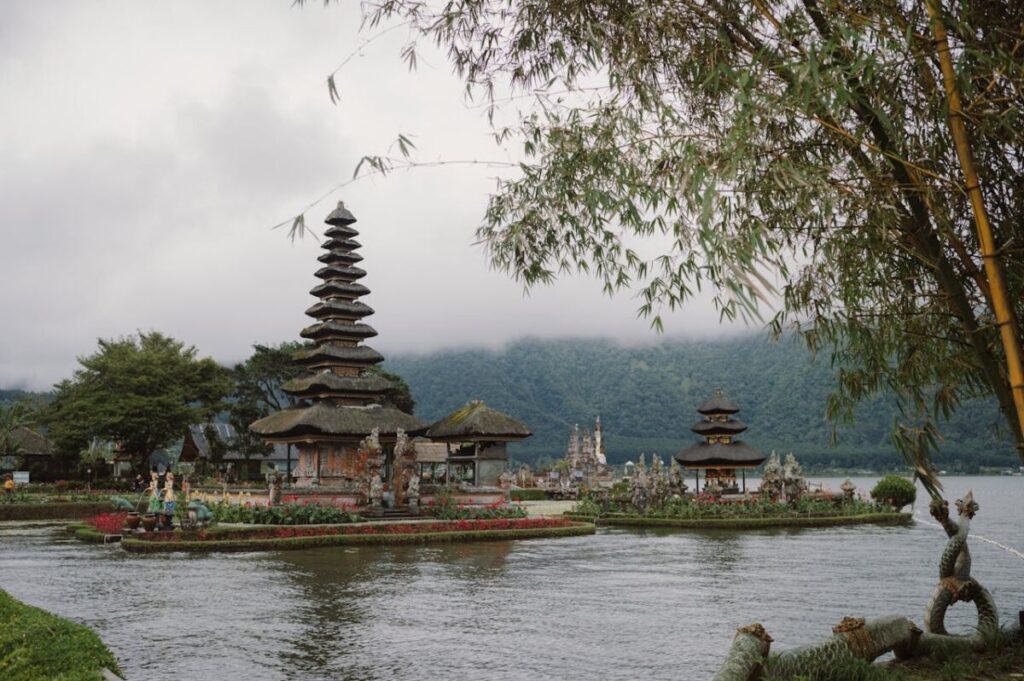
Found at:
<point>647,396</point>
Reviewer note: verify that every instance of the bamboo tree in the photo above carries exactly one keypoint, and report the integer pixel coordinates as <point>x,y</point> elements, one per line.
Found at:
<point>1008,328</point>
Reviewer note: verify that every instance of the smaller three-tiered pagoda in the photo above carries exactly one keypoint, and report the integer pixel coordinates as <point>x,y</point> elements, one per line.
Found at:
<point>721,453</point>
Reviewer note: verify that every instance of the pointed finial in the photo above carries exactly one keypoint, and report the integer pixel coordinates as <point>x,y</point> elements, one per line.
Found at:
<point>340,216</point>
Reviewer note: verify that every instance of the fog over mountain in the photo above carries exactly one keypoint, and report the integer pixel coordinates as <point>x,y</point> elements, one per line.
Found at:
<point>150,147</point>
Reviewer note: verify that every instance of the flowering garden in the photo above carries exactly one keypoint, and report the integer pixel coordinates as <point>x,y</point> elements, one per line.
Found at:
<point>708,511</point>
<point>283,538</point>
<point>222,538</point>
<point>291,513</point>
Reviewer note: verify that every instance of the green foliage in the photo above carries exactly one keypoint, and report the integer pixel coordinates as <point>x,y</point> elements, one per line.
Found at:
<point>139,391</point>
<point>895,491</point>
<point>35,644</point>
<point>398,395</point>
<point>647,399</point>
<point>528,495</point>
<point>14,418</point>
<point>790,152</point>
<point>257,393</point>
<point>447,510</point>
<point>286,514</point>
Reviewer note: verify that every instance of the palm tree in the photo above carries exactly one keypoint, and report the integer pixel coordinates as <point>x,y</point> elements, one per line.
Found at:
<point>13,417</point>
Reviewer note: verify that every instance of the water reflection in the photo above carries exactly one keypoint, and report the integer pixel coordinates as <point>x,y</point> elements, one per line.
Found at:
<point>660,603</point>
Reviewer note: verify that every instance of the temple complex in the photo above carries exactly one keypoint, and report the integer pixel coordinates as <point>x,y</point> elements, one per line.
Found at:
<point>585,454</point>
<point>476,436</point>
<point>342,435</point>
<point>721,453</point>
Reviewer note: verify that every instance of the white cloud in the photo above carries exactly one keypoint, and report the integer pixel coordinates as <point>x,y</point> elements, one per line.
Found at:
<point>149,147</point>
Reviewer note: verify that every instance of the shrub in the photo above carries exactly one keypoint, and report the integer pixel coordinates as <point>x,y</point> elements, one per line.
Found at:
<point>895,491</point>
<point>451,511</point>
<point>528,495</point>
<point>286,514</point>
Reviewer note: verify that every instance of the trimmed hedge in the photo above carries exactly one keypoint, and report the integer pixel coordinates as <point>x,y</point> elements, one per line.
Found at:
<point>747,523</point>
<point>88,533</point>
<point>528,495</point>
<point>56,511</point>
<point>35,644</point>
<point>289,543</point>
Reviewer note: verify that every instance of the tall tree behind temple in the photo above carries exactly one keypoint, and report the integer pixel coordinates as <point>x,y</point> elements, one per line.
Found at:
<point>140,392</point>
<point>807,143</point>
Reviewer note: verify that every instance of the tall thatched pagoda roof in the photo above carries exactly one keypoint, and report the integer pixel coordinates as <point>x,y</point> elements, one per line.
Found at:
<point>339,397</point>
<point>333,421</point>
<point>478,422</point>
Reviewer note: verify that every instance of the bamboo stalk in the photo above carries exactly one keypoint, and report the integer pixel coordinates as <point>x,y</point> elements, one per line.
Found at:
<point>989,253</point>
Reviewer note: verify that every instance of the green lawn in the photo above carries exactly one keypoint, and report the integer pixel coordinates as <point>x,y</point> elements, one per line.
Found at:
<point>35,645</point>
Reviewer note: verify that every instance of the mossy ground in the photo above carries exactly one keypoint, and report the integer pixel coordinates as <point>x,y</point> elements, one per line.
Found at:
<point>35,645</point>
<point>1006,664</point>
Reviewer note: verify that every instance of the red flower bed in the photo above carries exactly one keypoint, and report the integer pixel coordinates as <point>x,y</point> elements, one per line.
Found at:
<point>108,523</point>
<point>375,528</point>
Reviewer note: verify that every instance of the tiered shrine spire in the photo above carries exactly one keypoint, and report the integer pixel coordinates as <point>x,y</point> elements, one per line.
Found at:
<point>339,377</point>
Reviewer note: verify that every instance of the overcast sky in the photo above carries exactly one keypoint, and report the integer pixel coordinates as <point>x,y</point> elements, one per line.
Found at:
<point>147,148</point>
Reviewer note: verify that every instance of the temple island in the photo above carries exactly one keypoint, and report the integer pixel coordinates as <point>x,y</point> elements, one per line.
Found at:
<point>347,442</point>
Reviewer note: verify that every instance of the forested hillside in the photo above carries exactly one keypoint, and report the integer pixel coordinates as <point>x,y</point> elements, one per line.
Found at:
<point>647,396</point>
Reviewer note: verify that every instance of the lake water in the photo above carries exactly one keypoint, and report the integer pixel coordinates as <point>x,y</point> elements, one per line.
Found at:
<point>619,605</point>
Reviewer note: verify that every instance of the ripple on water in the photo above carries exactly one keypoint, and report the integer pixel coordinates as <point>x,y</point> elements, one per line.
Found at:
<point>660,603</point>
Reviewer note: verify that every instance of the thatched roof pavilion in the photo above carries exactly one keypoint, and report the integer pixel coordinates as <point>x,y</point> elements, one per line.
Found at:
<point>476,422</point>
<point>476,436</point>
<point>721,453</point>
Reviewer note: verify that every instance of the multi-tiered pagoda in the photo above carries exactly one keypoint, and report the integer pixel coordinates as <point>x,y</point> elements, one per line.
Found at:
<point>339,398</point>
<point>722,453</point>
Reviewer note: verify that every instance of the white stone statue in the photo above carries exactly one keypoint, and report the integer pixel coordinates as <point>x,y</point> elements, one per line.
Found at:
<point>793,479</point>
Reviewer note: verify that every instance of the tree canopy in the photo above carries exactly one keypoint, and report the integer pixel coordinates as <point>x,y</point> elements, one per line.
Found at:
<point>140,392</point>
<point>793,156</point>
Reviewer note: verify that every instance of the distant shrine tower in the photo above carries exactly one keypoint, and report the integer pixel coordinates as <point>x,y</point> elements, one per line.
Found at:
<point>339,397</point>
<point>722,453</point>
<point>585,452</point>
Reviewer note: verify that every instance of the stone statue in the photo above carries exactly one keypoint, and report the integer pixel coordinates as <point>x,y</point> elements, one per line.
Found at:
<point>793,479</point>
<point>376,492</point>
<point>772,478</point>
<point>676,486</point>
<point>658,488</point>
<point>505,480</point>
<point>276,482</point>
<point>848,489</point>
<point>639,498</point>
<point>412,494</point>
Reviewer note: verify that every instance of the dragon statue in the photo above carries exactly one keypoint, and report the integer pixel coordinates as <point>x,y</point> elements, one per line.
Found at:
<point>856,638</point>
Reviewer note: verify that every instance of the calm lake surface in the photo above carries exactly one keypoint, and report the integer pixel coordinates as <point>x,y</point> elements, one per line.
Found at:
<point>619,605</point>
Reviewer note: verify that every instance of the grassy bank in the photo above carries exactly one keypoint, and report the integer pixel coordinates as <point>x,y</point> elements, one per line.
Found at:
<point>747,523</point>
<point>305,542</point>
<point>1005,664</point>
<point>35,645</point>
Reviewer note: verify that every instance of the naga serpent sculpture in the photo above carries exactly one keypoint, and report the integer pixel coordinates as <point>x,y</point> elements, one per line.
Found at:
<point>955,581</point>
<point>855,638</point>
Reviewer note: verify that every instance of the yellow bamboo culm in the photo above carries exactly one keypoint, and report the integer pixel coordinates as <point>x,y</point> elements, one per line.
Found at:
<point>989,254</point>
